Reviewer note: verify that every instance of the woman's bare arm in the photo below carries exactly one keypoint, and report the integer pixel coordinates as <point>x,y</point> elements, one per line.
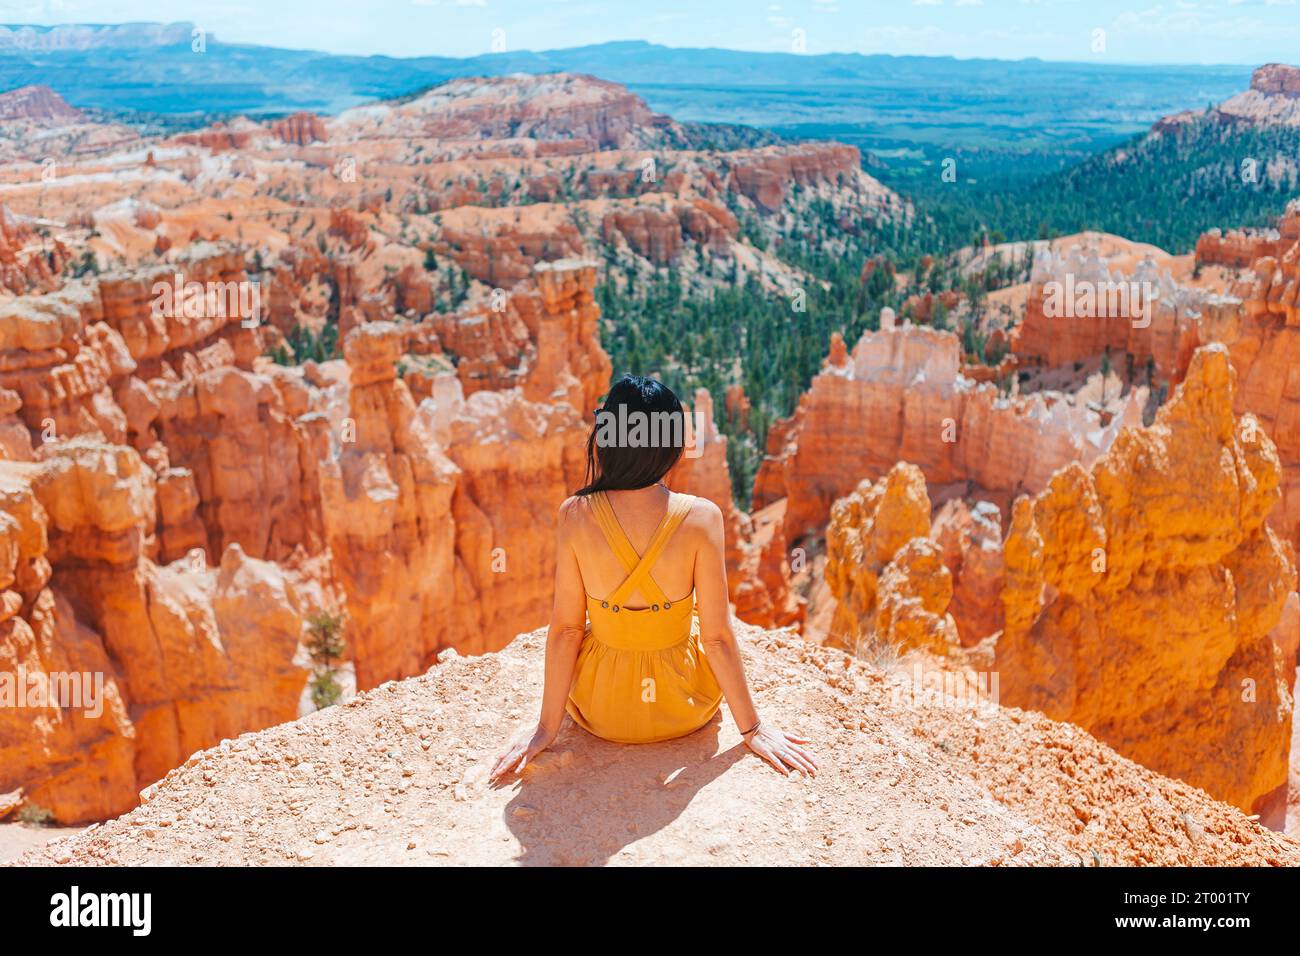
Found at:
<point>719,639</point>
<point>567,627</point>
<point>713,604</point>
<point>563,641</point>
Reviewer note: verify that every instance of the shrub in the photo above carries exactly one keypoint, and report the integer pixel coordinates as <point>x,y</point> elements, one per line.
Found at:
<point>34,815</point>
<point>326,646</point>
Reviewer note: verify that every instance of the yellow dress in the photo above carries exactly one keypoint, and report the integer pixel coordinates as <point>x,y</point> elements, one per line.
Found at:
<point>641,675</point>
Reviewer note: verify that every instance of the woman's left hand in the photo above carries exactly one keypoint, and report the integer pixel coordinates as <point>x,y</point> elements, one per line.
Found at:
<point>782,750</point>
<point>526,745</point>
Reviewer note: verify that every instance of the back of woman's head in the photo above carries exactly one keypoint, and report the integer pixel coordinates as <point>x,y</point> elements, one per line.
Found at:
<point>640,433</point>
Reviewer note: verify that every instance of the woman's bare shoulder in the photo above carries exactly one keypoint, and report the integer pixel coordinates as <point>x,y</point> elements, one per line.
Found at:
<point>573,513</point>
<point>704,518</point>
<point>703,508</point>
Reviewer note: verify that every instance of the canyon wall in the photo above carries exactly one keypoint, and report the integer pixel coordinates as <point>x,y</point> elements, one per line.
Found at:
<point>1252,306</point>
<point>389,436</point>
<point>1141,312</point>
<point>143,446</point>
<point>1142,592</point>
<point>1263,339</point>
<point>900,396</point>
<point>180,508</point>
<point>164,660</point>
<point>176,507</point>
<point>1168,526</point>
<point>1272,100</point>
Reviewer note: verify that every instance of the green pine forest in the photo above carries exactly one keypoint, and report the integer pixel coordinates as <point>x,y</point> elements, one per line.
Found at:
<point>1164,190</point>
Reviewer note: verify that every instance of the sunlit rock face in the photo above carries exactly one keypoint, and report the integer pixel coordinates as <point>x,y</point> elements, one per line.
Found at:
<point>1142,594</point>
<point>1082,305</point>
<point>900,396</point>
<point>888,577</point>
<point>1263,340</point>
<point>176,514</point>
<point>1143,597</point>
<point>1272,100</point>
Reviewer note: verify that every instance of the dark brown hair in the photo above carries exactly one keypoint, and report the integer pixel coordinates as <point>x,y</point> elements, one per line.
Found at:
<point>623,465</point>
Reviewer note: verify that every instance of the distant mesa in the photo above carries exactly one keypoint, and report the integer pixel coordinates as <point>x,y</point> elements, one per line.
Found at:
<point>544,107</point>
<point>93,36</point>
<point>1272,100</point>
<point>1277,79</point>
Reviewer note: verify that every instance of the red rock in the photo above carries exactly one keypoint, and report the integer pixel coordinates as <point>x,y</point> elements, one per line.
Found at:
<point>660,234</point>
<point>1272,100</point>
<point>327,486</point>
<point>1276,79</point>
<point>38,104</point>
<point>552,107</point>
<point>1168,526</point>
<point>29,262</point>
<point>921,308</point>
<point>1165,336</point>
<point>971,541</point>
<point>737,405</point>
<point>901,398</point>
<point>300,129</point>
<point>349,225</point>
<point>221,137</point>
<point>765,175</point>
<point>889,580</point>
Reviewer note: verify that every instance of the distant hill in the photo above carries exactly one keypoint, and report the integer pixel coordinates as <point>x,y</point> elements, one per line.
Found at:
<point>36,103</point>
<point>91,36</point>
<point>878,102</point>
<point>1039,147</point>
<point>1237,163</point>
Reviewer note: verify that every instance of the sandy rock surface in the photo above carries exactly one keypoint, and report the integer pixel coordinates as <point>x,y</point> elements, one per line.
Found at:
<point>398,776</point>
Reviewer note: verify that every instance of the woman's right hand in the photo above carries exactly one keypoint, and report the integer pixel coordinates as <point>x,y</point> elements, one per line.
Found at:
<point>526,745</point>
<point>783,751</point>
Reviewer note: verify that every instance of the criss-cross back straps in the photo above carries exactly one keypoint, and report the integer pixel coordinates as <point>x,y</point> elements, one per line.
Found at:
<point>613,531</point>
<point>639,566</point>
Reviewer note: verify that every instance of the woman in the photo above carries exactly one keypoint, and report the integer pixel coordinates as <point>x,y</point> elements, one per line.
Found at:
<point>640,647</point>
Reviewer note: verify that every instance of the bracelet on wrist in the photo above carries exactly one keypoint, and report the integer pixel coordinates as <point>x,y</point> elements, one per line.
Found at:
<point>746,733</point>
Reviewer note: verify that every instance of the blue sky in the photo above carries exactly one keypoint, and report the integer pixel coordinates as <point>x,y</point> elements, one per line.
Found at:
<point>1170,31</point>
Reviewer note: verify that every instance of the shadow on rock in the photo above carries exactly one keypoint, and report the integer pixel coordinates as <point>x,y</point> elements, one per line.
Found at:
<point>586,799</point>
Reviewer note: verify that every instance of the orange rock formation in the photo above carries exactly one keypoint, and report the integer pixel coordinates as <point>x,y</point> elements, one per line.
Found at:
<point>1141,593</point>
<point>1168,526</point>
<point>888,578</point>
<point>900,397</point>
<point>147,439</point>
<point>165,473</point>
<point>1139,311</point>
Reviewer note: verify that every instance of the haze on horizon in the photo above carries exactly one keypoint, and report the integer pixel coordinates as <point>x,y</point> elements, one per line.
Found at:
<point>1248,32</point>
